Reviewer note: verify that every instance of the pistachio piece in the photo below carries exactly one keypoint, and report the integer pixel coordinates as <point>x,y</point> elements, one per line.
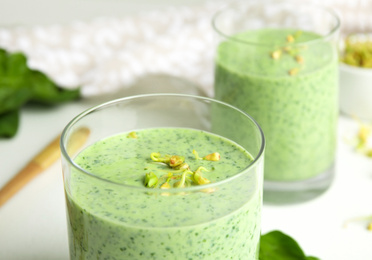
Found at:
<point>276,54</point>
<point>195,153</point>
<point>182,166</point>
<point>151,180</point>
<point>156,157</point>
<point>212,157</point>
<point>132,135</point>
<point>198,178</point>
<point>290,38</point>
<point>293,71</point>
<point>182,183</point>
<point>176,160</point>
<point>299,59</point>
<point>165,185</point>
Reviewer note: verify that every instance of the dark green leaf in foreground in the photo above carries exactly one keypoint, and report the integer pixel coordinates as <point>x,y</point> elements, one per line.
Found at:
<point>276,245</point>
<point>20,85</point>
<point>46,92</point>
<point>9,123</point>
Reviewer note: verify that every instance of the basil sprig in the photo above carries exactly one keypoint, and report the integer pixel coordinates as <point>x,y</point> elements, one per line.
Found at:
<point>20,85</point>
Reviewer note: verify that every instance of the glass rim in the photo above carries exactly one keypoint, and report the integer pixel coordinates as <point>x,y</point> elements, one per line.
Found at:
<point>107,104</point>
<point>231,6</point>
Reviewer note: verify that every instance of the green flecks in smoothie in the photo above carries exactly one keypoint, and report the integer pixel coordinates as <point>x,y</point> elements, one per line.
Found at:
<point>298,113</point>
<point>123,220</point>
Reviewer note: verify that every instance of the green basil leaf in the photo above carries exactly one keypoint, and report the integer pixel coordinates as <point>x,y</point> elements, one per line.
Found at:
<point>45,91</point>
<point>9,123</point>
<point>13,97</point>
<point>20,85</point>
<point>276,245</point>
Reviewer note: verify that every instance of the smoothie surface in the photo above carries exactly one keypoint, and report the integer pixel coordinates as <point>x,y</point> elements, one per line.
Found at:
<point>254,53</point>
<point>125,160</point>
<point>121,219</point>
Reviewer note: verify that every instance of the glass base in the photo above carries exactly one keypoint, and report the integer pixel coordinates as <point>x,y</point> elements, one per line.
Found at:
<point>276,192</point>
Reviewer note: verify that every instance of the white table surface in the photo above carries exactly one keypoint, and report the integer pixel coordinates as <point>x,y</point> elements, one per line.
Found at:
<point>33,223</point>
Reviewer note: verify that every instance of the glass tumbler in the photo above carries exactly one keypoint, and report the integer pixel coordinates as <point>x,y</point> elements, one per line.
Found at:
<point>278,61</point>
<point>118,209</point>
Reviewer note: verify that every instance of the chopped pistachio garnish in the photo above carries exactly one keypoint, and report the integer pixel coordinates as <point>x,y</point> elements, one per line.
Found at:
<point>132,135</point>
<point>292,50</point>
<point>151,179</point>
<point>176,160</point>
<point>198,178</point>
<point>180,176</point>
<point>276,54</point>
<point>357,53</point>
<point>197,157</point>
<point>156,157</point>
<point>290,38</point>
<point>287,49</point>
<point>212,157</point>
<point>182,166</point>
<point>299,59</point>
<point>182,183</point>
<point>293,71</point>
<point>165,185</point>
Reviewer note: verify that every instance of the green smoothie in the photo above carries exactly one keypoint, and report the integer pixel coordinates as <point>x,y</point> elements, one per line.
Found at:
<point>287,80</point>
<point>112,215</point>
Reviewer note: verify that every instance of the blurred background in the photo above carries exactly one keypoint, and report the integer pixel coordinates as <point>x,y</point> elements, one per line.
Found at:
<point>107,46</point>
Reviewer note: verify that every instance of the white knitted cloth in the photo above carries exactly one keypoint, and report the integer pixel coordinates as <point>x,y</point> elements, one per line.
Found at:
<point>108,53</point>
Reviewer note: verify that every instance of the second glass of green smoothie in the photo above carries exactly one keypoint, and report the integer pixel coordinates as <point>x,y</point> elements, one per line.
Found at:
<point>278,61</point>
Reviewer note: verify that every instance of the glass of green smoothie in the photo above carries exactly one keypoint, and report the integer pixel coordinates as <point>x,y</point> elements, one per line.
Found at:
<point>164,176</point>
<point>278,61</point>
